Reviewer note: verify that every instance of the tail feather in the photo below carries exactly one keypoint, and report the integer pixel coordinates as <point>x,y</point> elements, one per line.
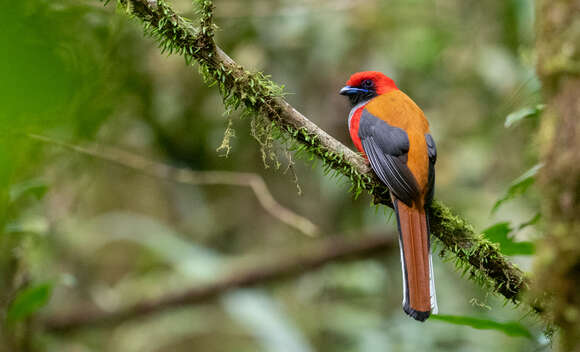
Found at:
<point>418,285</point>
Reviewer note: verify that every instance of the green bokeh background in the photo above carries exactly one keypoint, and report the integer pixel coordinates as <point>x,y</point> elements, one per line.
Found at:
<point>106,236</point>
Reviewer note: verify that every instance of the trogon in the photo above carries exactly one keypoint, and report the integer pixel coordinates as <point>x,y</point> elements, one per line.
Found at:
<point>391,131</point>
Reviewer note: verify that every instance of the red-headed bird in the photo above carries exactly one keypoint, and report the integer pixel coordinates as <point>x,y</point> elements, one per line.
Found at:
<point>393,134</point>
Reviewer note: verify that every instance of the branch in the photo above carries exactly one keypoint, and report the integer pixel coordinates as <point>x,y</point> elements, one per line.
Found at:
<point>470,251</point>
<point>190,177</point>
<point>327,251</point>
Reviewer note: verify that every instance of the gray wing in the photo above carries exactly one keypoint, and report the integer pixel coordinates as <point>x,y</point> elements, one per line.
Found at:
<point>386,147</point>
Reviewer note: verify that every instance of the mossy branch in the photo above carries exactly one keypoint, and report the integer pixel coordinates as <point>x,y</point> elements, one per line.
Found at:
<point>259,95</point>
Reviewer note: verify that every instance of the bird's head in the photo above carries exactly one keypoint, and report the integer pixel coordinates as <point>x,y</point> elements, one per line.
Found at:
<point>363,86</point>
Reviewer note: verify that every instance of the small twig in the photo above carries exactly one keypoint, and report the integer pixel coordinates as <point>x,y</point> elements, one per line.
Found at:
<point>190,177</point>
<point>327,251</point>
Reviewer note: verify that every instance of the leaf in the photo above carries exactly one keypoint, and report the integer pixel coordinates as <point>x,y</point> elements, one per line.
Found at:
<point>519,186</point>
<point>34,187</point>
<point>28,301</point>
<point>266,319</point>
<point>499,233</point>
<point>521,114</point>
<point>531,222</point>
<point>511,328</point>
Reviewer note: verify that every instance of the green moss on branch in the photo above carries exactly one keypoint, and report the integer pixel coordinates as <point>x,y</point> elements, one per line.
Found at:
<point>475,254</point>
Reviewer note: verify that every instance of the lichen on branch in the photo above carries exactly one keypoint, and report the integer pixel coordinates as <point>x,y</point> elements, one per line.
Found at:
<point>257,94</point>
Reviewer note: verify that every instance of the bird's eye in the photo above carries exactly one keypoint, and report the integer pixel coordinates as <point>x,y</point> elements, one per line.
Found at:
<point>367,84</point>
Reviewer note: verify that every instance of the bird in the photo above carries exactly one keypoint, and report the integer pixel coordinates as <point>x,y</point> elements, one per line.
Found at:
<point>393,134</point>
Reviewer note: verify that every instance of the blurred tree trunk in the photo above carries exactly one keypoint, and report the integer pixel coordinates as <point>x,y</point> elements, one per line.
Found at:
<point>558,265</point>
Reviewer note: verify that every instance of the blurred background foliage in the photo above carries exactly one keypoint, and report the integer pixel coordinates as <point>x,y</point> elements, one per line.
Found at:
<point>81,232</point>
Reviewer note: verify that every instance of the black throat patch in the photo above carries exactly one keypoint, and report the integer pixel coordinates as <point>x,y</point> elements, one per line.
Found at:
<point>359,97</point>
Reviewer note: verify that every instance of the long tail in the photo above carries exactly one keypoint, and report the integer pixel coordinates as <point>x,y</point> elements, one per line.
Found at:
<point>419,299</point>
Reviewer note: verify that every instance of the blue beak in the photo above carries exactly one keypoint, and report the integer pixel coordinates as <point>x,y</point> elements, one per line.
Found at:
<point>348,90</point>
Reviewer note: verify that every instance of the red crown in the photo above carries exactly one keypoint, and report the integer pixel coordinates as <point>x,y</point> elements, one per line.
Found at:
<point>383,84</point>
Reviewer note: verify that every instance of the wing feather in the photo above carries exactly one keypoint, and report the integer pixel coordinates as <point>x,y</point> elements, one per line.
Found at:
<point>386,148</point>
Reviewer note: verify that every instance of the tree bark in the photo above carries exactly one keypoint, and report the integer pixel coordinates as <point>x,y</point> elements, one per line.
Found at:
<point>558,263</point>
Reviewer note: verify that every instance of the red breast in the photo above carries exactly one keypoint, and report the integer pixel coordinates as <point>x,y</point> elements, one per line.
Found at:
<point>354,121</point>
